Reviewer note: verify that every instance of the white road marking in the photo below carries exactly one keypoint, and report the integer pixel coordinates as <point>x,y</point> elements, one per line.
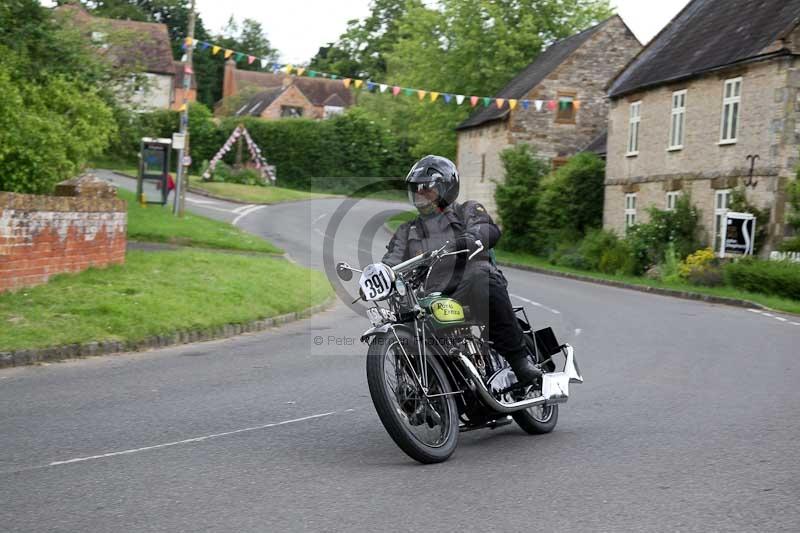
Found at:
<point>578,331</point>
<point>757,311</point>
<point>537,304</point>
<point>242,208</point>
<point>187,441</point>
<point>201,202</point>
<point>242,214</point>
<point>778,318</point>
<point>323,215</point>
<point>795,323</point>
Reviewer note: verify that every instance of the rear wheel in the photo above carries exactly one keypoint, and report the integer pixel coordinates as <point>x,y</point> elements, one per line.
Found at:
<point>538,419</point>
<point>425,428</point>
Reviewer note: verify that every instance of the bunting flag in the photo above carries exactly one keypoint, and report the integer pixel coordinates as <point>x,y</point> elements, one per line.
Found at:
<point>188,70</point>
<point>260,163</point>
<point>539,105</point>
<point>182,108</point>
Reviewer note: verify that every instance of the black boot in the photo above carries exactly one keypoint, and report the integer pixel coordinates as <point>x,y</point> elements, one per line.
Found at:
<point>525,370</point>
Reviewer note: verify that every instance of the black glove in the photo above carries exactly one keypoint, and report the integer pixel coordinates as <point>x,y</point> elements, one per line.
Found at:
<point>466,241</point>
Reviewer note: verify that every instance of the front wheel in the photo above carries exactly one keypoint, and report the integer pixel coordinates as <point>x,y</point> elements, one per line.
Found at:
<point>424,427</point>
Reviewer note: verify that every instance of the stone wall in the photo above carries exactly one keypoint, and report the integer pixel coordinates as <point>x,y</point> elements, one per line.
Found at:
<point>768,126</point>
<point>292,96</point>
<point>479,164</point>
<point>83,226</point>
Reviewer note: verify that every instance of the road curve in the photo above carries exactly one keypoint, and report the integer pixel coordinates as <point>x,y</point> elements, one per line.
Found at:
<point>687,422</point>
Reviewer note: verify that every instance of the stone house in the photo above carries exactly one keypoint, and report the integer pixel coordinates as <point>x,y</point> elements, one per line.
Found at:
<point>278,95</point>
<point>721,82</point>
<point>575,69</point>
<point>141,47</point>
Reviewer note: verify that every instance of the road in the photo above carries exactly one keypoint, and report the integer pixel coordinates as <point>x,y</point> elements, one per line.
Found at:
<point>686,422</point>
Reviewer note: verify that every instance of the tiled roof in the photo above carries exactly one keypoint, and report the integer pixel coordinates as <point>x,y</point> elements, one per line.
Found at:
<point>709,34</point>
<point>532,75</point>
<point>317,90</point>
<point>259,102</point>
<point>598,144</point>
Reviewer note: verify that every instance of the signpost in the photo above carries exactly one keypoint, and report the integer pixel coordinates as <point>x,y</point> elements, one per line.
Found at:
<point>154,156</point>
<point>738,234</point>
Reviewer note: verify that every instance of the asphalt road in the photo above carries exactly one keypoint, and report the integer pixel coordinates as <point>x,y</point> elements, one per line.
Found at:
<point>687,421</point>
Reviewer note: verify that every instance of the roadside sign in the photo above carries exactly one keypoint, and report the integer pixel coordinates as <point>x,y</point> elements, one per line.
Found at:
<point>178,141</point>
<point>739,232</point>
<point>187,161</point>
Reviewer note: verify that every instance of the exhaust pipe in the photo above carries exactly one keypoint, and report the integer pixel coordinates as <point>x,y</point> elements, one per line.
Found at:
<point>555,386</point>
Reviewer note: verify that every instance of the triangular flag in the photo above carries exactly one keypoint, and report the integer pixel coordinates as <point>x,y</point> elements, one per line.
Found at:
<point>576,104</point>
<point>188,41</point>
<point>214,50</point>
<point>538,104</point>
<point>346,82</point>
<point>312,73</point>
<point>359,83</point>
<point>370,86</point>
<point>300,71</point>
<point>289,69</point>
<point>486,101</point>
<point>564,104</point>
<point>395,90</point>
<point>473,100</point>
<point>188,70</point>
<point>182,108</point>
<point>228,53</point>
<point>239,56</point>
<point>264,63</point>
<point>250,59</point>
<point>333,76</point>
<point>408,91</point>
<point>551,105</point>
<point>204,45</point>
<point>382,87</point>
<point>525,104</point>
<point>460,99</point>
<point>500,102</point>
<point>434,96</point>
<point>512,103</point>
<point>447,97</point>
<point>421,94</point>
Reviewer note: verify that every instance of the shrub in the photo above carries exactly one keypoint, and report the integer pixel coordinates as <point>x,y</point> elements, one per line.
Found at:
<point>571,200</point>
<point>701,268</point>
<point>517,197</point>
<point>670,268</point>
<point>791,245</point>
<point>594,245</point>
<point>649,241</point>
<point>780,278</point>
<point>617,260</point>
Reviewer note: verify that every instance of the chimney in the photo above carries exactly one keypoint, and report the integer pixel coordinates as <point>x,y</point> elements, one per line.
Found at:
<point>229,79</point>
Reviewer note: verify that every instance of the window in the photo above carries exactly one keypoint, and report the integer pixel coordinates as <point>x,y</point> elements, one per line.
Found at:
<point>630,210</point>
<point>672,200</point>
<point>633,128</point>
<point>332,110</point>
<point>731,100</point>
<point>291,111</point>
<point>722,200</point>
<point>565,112</point>
<point>483,167</point>
<point>678,119</point>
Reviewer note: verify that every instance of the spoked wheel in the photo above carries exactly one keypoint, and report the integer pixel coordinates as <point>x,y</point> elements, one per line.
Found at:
<point>423,426</point>
<point>538,419</point>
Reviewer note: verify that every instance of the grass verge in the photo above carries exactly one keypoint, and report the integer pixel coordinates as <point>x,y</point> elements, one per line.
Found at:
<point>773,302</point>
<point>155,294</point>
<point>156,223</point>
<point>394,221</point>
<point>252,193</point>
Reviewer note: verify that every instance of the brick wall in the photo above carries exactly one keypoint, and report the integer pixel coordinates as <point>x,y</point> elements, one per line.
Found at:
<point>293,97</point>
<point>83,226</point>
<point>768,126</point>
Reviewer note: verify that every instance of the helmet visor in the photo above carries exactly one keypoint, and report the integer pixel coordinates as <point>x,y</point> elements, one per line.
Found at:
<point>423,196</point>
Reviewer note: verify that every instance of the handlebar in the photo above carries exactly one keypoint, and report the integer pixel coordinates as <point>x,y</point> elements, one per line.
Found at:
<point>434,254</point>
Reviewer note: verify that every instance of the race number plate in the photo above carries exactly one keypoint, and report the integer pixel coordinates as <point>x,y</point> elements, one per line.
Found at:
<point>376,281</point>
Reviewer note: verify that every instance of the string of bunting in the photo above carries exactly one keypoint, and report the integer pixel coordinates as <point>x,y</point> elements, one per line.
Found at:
<point>394,90</point>
<point>255,154</point>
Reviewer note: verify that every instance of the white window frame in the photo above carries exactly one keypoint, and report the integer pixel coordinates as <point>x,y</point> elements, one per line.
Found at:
<point>722,201</point>
<point>634,125</point>
<point>630,209</point>
<point>677,119</point>
<point>672,200</point>
<point>731,111</point>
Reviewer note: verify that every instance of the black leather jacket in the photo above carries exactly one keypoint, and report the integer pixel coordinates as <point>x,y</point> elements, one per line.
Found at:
<point>432,231</point>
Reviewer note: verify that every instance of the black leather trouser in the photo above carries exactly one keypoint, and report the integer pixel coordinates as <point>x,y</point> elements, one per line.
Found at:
<point>488,300</point>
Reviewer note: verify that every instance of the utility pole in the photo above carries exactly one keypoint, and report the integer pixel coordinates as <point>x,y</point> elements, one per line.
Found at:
<point>183,172</point>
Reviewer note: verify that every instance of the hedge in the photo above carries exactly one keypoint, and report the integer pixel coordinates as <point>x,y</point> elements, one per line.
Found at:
<point>781,278</point>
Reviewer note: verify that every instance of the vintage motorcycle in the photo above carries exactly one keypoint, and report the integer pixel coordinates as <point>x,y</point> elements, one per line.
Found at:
<point>431,374</point>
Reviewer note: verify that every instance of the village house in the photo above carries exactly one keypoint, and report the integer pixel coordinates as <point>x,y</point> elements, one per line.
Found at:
<point>717,89</point>
<point>278,95</point>
<point>144,49</point>
<point>573,73</point>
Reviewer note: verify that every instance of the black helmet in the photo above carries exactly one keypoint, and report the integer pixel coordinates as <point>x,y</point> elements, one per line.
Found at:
<point>437,173</point>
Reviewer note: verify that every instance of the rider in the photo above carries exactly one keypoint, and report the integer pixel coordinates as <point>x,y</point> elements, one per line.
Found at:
<point>433,185</point>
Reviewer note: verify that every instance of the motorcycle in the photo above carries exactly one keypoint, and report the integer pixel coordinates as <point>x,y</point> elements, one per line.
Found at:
<point>431,372</point>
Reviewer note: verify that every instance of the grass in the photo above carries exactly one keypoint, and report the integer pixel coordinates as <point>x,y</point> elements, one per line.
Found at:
<point>154,294</point>
<point>156,223</point>
<point>773,302</point>
<point>394,221</point>
<point>253,194</point>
